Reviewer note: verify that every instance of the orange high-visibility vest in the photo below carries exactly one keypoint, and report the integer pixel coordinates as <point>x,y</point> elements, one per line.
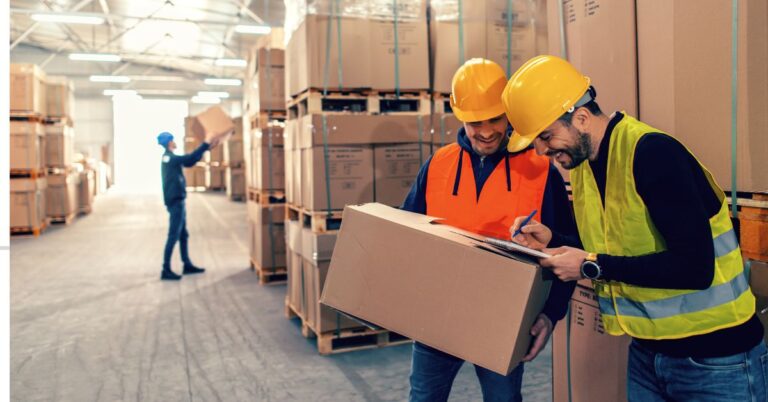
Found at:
<point>514,188</point>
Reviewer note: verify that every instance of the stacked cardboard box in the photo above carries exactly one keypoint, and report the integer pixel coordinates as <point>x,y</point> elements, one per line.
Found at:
<point>63,181</point>
<point>598,361</point>
<point>212,172</point>
<point>60,97</point>
<point>86,191</point>
<point>234,160</point>
<point>264,87</point>
<point>268,237</point>
<point>59,146</point>
<point>27,203</point>
<point>61,196</point>
<point>27,148</point>
<point>27,89</point>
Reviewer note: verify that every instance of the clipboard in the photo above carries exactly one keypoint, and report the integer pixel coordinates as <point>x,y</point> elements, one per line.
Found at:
<point>508,245</point>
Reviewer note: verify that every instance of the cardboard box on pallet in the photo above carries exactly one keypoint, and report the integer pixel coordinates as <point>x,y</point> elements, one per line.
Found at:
<point>395,169</point>
<point>608,59</point>
<point>348,175</point>
<point>60,97</point>
<point>212,120</point>
<point>268,167</point>
<point>345,129</point>
<point>410,70</point>
<point>296,282</point>
<point>27,203</point>
<point>598,361</point>
<point>196,176</point>
<point>758,281</point>
<point>235,182</point>
<point>59,145</point>
<point>317,247</point>
<point>234,152</point>
<point>86,191</point>
<point>432,284</point>
<point>445,129</point>
<point>266,82</point>
<point>689,95</point>
<point>214,177</point>
<point>61,195</point>
<point>321,318</point>
<point>27,88</point>
<point>289,162</point>
<point>27,146</point>
<point>267,234</point>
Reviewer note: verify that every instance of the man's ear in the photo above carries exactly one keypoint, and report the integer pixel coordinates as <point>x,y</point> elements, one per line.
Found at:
<point>581,119</point>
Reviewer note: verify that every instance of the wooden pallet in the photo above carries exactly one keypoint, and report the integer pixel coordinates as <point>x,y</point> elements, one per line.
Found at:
<point>21,115</point>
<point>63,220</point>
<point>350,340</point>
<point>361,100</point>
<point>28,231</point>
<point>265,118</point>
<point>60,170</point>
<point>237,197</point>
<point>216,188</point>
<point>291,312</point>
<point>266,197</point>
<point>51,120</point>
<point>28,173</point>
<point>270,276</point>
<point>85,210</point>
<point>318,221</point>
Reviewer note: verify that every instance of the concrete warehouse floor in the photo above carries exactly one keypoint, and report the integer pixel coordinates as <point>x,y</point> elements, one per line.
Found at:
<point>91,321</point>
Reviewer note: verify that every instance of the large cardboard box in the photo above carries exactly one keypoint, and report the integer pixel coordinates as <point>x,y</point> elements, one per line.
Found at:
<point>61,195</point>
<point>86,191</point>
<point>268,167</point>
<point>59,145</point>
<point>235,182</point>
<point>212,120</point>
<point>395,169</point>
<point>361,129</point>
<point>317,247</point>
<point>27,146</point>
<point>214,177</point>
<point>684,51</point>
<point>293,236</point>
<point>296,282</point>
<point>291,164</point>
<point>321,318</point>
<point>758,281</point>
<point>601,40</point>
<point>445,129</point>
<point>266,90</point>
<point>196,176</point>
<point>268,248</point>
<point>347,174</point>
<point>27,203</point>
<point>27,88</point>
<point>60,97</point>
<point>598,361</point>
<point>410,70</point>
<point>234,152</point>
<point>427,281</point>
<point>305,54</point>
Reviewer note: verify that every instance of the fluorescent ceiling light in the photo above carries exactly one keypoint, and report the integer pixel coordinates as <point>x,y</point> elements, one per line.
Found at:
<point>253,29</point>
<point>177,92</point>
<point>68,18</point>
<point>231,62</point>
<point>110,78</point>
<point>163,78</point>
<point>119,92</point>
<point>208,100</point>
<point>95,57</point>
<point>214,94</point>
<point>223,81</point>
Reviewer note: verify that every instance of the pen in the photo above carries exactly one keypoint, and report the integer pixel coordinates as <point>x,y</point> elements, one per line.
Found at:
<point>525,222</point>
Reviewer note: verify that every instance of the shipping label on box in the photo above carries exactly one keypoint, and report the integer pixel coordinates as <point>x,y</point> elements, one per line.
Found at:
<point>403,272</point>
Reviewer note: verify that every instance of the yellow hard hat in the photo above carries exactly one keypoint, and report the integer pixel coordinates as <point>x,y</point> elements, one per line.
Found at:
<point>476,90</point>
<point>537,94</point>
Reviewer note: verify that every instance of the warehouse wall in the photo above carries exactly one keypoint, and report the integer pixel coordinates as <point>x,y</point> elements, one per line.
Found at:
<point>93,125</point>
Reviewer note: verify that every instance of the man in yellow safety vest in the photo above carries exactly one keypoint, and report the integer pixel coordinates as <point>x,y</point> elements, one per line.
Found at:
<point>656,240</point>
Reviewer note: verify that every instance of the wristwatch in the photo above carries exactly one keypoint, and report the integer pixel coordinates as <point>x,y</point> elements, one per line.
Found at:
<point>590,269</point>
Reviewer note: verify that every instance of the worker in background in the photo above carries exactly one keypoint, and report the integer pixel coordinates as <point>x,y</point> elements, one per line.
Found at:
<point>658,243</point>
<point>174,194</point>
<point>476,185</point>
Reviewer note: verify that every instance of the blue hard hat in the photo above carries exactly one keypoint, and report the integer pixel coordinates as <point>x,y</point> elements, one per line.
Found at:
<point>164,138</point>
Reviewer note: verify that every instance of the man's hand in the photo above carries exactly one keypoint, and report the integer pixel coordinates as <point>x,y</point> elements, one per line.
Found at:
<point>209,138</point>
<point>213,143</point>
<point>533,235</point>
<point>565,262</point>
<point>541,330</point>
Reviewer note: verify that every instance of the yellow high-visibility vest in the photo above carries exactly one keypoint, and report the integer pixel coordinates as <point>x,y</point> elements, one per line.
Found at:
<point>624,228</point>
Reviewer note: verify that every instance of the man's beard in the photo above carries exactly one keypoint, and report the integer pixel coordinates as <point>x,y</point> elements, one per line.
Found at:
<point>577,153</point>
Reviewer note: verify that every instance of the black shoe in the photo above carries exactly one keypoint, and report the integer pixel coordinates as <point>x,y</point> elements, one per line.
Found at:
<point>191,269</point>
<point>168,275</point>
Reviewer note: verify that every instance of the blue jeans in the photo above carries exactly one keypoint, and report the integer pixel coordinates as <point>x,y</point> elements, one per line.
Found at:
<point>177,232</point>
<point>433,372</point>
<point>742,377</point>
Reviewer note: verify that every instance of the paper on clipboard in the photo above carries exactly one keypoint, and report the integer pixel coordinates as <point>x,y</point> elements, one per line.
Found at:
<point>508,245</point>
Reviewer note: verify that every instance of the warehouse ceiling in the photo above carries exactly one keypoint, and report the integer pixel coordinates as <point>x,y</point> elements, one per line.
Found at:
<point>154,38</point>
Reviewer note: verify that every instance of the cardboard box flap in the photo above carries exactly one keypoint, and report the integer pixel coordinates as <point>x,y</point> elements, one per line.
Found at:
<point>399,271</point>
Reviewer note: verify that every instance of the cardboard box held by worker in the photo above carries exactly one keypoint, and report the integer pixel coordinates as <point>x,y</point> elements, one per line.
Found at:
<point>410,274</point>
<point>212,120</point>
<point>758,281</point>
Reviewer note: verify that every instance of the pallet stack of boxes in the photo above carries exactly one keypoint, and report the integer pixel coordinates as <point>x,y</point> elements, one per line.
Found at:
<point>27,150</point>
<point>263,122</point>
<point>357,131</point>
<point>234,163</point>
<point>62,202</point>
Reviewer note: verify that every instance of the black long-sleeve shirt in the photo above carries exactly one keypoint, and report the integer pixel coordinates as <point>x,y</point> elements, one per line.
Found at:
<point>174,184</point>
<point>680,202</point>
<point>555,212</point>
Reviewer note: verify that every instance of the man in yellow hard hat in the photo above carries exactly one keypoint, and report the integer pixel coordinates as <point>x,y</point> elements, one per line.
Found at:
<point>656,241</point>
<point>477,185</point>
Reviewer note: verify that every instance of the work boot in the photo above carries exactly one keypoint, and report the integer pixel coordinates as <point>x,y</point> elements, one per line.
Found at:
<point>168,275</point>
<point>192,269</point>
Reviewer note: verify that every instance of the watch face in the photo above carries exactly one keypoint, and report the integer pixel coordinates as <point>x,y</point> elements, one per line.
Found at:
<point>590,270</point>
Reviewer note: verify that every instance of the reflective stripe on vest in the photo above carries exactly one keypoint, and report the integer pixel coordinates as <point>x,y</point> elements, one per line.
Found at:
<point>514,188</point>
<point>624,228</point>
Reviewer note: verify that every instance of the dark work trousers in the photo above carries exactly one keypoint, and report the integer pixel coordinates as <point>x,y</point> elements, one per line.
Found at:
<point>177,231</point>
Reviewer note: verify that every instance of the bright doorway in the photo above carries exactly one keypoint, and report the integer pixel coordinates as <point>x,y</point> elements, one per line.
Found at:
<point>137,123</point>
